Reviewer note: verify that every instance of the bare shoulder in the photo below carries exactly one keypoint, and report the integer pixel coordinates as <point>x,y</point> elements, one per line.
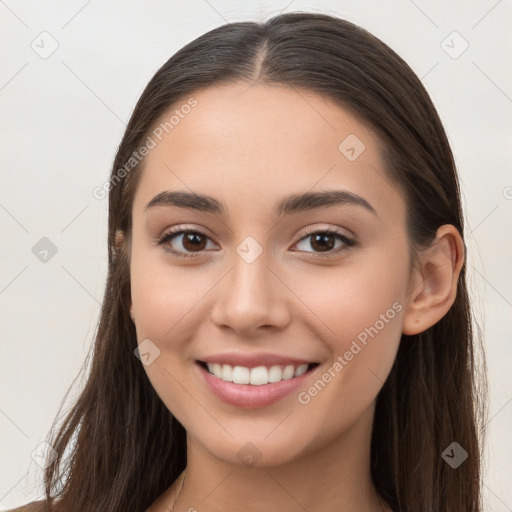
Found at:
<point>35,506</point>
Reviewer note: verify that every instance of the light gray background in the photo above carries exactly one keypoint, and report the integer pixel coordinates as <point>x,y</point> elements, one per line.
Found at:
<point>62,118</point>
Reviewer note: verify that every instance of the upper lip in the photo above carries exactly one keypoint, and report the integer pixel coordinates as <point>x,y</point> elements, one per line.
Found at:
<point>254,360</point>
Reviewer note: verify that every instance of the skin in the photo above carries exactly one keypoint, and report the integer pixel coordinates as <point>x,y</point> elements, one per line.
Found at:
<point>249,146</point>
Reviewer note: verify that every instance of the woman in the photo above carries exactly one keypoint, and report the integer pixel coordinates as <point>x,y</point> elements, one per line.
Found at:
<point>286,323</point>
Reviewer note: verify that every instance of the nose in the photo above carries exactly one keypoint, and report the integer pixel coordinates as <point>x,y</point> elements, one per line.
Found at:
<point>251,296</point>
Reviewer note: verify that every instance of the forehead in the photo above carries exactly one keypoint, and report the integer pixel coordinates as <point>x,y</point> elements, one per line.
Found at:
<point>245,143</point>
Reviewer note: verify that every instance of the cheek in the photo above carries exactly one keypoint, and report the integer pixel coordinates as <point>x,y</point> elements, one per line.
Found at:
<point>164,296</point>
<point>361,323</point>
<point>358,312</point>
<point>164,301</point>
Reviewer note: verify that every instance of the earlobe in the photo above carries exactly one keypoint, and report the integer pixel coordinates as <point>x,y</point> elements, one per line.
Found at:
<point>436,281</point>
<point>122,245</point>
<point>119,239</point>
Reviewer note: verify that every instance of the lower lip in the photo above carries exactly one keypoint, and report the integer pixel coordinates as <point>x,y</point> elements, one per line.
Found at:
<point>249,396</point>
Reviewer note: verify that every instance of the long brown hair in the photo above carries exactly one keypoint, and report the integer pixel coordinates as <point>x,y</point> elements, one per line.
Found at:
<point>119,447</point>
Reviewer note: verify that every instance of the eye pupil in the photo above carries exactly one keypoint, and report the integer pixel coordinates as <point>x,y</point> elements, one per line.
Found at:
<point>325,245</point>
<point>195,240</point>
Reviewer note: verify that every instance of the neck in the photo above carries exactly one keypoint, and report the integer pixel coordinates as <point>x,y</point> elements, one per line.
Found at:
<point>332,476</point>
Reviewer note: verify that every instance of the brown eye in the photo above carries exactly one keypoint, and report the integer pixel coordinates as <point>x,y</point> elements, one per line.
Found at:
<point>193,241</point>
<point>323,242</point>
<point>182,242</point>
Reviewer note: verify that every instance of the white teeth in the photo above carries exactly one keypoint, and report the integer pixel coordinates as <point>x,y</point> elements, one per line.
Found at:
<point>240,375</point>
<point>288,372</point>
<point>275,373</point>
<point>303,368</point>
<point>257,376</point>
<point>227,373</point>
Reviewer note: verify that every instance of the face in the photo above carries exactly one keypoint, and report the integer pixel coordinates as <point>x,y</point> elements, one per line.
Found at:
<point>244,278</point>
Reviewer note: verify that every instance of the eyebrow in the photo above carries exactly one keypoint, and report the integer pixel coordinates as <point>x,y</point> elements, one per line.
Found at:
<point>286,206</point>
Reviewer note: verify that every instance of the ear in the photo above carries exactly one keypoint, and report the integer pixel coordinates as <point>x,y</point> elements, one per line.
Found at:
<point>434,285</point>
<point>119,245</point>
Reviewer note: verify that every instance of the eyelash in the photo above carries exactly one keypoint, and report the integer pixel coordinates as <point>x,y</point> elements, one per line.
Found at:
<point>167,237</point>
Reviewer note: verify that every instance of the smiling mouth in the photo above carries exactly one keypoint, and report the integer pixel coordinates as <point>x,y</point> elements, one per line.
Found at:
<point>256,376</point>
